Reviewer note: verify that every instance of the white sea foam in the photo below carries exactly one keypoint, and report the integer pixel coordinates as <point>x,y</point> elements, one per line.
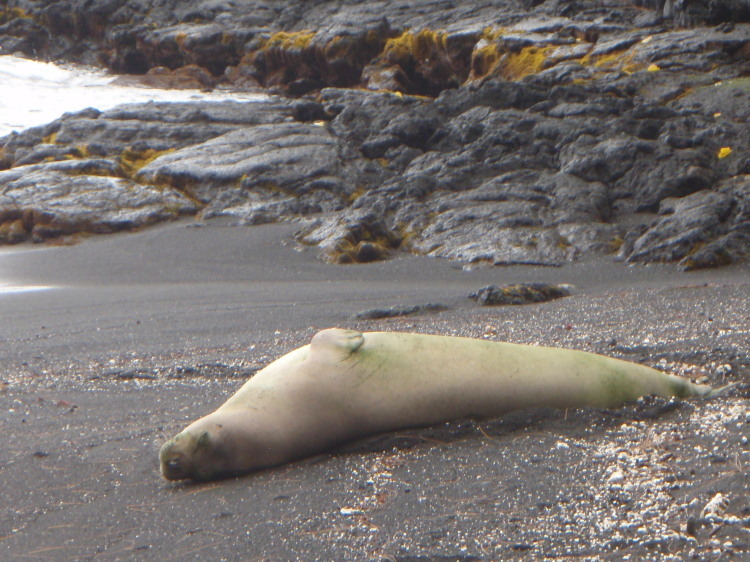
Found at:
<point>34,93</point>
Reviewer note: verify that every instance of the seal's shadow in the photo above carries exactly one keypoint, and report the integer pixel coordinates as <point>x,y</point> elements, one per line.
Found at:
<point>566,423</point>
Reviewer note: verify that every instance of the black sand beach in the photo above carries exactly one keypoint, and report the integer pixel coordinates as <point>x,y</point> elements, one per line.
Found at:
<point>142,333</point>
<point>392,137</point>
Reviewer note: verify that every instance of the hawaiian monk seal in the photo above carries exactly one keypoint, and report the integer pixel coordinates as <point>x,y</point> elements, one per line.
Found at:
<point>346,384</point>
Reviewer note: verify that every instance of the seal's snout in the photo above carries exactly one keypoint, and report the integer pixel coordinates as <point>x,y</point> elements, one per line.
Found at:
<point>172,462</point>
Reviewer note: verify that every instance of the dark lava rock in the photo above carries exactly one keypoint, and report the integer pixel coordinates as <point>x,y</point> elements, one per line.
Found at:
<point>297,159</point>
<point>705,229</point>
<point>514,132</point>
<point>699,12</point>
<point>422,46</point>
<point>394,311</point>
<point>80,173</point>
<point>522,293</point>
<point>39,203</point>
<point>357,237</point>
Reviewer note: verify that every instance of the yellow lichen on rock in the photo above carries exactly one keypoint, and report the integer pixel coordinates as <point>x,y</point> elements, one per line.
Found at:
<point>419,46</point>
<point>13,232</point>
<point>492,57</point>
<point>527,61</point>
<point>423,62</point>
<point>486,54</point>
<point>290,40</point>
<point>615,244</point>
<point>348,252</point>
<point>356,194</point>
<point>79,151</point>
<point>180,39</point>
<point>484,59</point>
<point>9,14</point>
<point>623,60</point>
<point>132,160</point>
<point>724,152</point>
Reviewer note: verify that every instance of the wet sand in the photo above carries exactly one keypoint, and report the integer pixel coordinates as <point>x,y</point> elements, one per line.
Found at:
<point>139,334</point>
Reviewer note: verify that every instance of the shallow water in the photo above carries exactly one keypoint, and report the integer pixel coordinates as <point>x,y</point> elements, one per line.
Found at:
<point>34,93</point>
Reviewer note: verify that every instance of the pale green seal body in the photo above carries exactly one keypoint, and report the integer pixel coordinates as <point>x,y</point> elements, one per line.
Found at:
<point>346,384</point>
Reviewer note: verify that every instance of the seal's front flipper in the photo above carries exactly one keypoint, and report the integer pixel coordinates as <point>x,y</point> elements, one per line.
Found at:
<point>336,344</point>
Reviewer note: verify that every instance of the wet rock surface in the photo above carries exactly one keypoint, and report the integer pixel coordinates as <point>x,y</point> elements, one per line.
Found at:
<point>509,132</point>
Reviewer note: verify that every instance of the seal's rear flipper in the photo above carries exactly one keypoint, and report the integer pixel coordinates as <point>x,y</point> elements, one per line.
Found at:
<point>337,343</point>
<point>721,391</point>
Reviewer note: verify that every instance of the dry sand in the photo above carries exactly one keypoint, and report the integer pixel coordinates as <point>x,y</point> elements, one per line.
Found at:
<point>141,333</point>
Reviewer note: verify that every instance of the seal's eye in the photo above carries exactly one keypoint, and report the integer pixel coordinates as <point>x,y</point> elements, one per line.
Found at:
<point>172,469</point>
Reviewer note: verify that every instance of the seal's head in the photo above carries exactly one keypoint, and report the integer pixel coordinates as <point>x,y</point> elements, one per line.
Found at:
<point>197,454</point>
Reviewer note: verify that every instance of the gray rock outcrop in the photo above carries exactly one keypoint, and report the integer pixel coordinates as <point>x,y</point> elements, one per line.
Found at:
<point>501,133</point>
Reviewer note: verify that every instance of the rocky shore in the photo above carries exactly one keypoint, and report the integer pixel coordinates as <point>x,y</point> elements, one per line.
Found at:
<point>503,133</point>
